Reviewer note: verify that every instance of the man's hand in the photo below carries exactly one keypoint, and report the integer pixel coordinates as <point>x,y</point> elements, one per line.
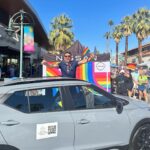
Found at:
<point>44,62</point>
<point>86,60</point>
<point>91,57</point>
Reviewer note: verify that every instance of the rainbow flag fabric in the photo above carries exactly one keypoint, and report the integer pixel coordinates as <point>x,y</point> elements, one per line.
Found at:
<point>97,73</point>
<point>51,72</point>
<point>85,51</point>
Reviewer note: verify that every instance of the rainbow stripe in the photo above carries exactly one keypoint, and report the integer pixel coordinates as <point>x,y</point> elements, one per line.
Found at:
<point>52,72</point>
<point>85,51</point>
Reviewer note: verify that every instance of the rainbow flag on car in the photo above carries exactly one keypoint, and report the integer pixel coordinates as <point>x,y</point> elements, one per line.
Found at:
<point>85,51</point>
<point>97,73</point>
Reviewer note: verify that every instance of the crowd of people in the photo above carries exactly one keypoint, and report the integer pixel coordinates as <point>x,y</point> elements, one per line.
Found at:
<point>12,70</point>
<point>132,83</point>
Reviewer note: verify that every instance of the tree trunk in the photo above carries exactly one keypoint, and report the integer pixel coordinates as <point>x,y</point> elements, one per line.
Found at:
<point>140,51</point>
<point>107,45</point>
<point>117,54</point>
<point>126,50</point>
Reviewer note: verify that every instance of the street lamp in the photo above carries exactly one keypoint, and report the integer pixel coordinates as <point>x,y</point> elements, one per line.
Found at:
<point>17,22</point>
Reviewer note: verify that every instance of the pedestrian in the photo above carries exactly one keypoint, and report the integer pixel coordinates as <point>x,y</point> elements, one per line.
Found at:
<point>135,75</point>
<point>68,66</point>
<point>11,71</point>
<point>129,82</point>
<point>142,83</point>
<point>120,82</point>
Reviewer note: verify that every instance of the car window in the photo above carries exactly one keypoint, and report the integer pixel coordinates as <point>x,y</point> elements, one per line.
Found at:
<point>96,99</point>
<point>36,100</point>
<point>77,95</point>
<point>19,101</point>
<point>45,100</point>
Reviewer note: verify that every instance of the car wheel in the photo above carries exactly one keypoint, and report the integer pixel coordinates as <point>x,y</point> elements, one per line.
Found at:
<point>7,147</point>
<point>141,138</point>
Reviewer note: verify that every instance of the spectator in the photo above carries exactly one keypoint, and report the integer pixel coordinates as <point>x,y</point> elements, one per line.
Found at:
<point>142,83</point>
<point>135,75</point>
<point>120,80</point>
<point>129,82</point>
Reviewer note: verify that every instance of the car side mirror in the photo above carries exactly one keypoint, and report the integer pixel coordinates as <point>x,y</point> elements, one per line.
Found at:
<point>119,107</point>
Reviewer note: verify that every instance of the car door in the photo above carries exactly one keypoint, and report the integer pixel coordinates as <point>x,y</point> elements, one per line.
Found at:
<point>97,124</point>
<point>36,120</point>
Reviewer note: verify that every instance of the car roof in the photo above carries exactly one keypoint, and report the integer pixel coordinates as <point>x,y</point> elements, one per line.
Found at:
<point>18,81</point>
<point>10,85</point>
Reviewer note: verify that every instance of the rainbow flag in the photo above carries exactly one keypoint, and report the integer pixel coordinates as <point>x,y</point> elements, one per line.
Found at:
<point>98,76</point>
<point>131,66</point>
<point>85,51</point>
<point>51,72</point>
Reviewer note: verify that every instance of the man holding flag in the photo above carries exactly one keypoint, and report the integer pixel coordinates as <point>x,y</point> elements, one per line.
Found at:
<point>67,66</point>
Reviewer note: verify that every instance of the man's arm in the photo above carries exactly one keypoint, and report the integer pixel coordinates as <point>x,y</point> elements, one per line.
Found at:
<point>83,61</point>
<point>44,62</point>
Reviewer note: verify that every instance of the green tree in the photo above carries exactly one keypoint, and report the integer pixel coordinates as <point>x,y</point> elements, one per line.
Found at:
<point>61,36</point>
<point>141,28</point>
<point>126,27</point>
<point>117,35</point>
<point>107,35</point>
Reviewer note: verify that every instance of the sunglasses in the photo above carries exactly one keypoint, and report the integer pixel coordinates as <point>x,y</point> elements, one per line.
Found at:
<point>67,56</point>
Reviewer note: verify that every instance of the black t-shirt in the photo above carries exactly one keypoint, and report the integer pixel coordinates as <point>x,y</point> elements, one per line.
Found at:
<point>121,85</point>
<point>68,69</point>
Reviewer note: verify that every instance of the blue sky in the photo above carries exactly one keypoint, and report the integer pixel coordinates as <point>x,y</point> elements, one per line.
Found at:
<point>90,18</point>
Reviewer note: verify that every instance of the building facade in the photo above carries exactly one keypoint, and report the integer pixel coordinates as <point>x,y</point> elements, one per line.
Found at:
<point>10,42</point>
<point>133,54</point>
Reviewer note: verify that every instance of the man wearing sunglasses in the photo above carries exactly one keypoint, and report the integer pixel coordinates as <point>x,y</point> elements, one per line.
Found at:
<point>68,66</point>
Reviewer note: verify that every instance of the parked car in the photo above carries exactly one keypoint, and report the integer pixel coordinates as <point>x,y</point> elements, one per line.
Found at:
<point>69,114</point>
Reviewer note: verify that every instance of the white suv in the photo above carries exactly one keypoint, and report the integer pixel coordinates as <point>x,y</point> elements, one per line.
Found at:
<point>69,114</point>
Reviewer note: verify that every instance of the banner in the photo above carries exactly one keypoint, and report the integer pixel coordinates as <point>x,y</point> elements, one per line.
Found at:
<point>28,39</point>
<point>97,73</point>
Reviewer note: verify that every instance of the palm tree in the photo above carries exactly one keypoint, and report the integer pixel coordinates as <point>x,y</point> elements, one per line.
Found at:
<point>110,23</point>
<point>61,36</point>
<point>126,26</point>
<point>117,35</point>
<point>107,36</point>
<point>141,27</point>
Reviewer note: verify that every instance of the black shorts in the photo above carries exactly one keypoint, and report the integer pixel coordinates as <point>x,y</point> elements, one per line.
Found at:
<point>129,87</point>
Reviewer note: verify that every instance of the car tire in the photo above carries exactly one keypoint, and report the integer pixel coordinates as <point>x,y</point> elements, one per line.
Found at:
<point>7,147</point>
<point>141,138</point>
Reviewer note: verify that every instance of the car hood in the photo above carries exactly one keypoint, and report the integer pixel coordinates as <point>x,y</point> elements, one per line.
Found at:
<point>133,102</point>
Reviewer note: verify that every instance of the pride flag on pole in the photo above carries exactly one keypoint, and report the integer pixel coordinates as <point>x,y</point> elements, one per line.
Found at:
<point>85,51</point>
<point>28,39</point>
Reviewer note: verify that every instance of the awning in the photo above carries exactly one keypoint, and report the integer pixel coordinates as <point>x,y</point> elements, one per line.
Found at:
<point>8,40</point>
